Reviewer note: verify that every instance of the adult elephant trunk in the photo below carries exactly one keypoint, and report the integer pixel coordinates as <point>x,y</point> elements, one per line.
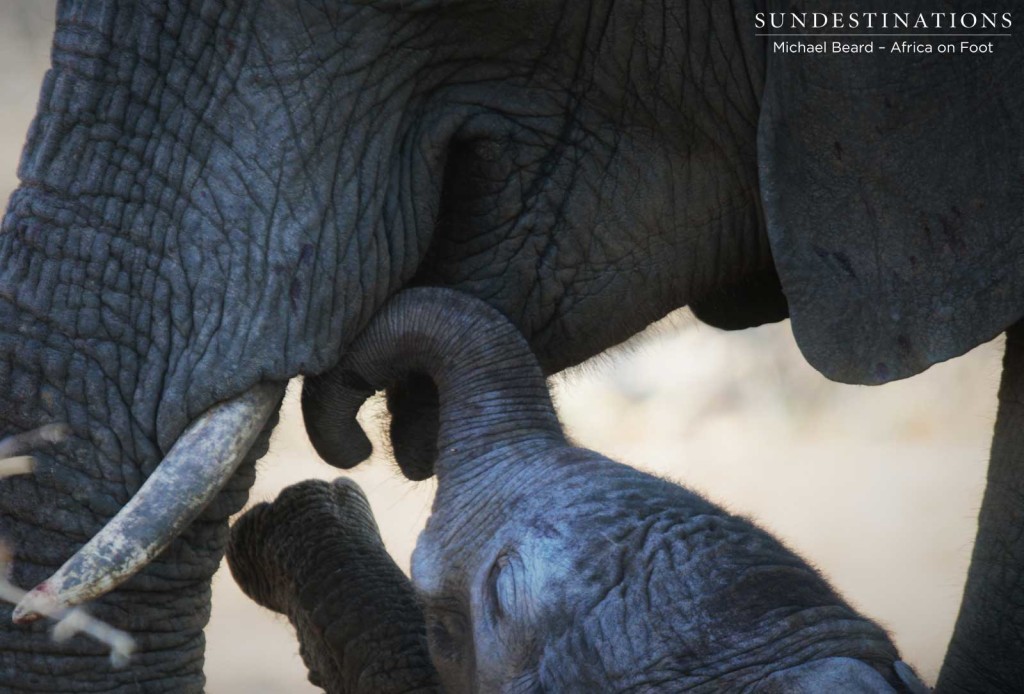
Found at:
<point>85,479</point>
<point>491,393</point>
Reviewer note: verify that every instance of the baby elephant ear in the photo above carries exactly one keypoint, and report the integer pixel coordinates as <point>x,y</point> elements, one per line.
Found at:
<point>828,675</point>
<point>893,186</point>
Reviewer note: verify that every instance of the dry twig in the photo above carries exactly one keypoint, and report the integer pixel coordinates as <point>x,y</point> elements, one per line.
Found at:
<point>70,621</point>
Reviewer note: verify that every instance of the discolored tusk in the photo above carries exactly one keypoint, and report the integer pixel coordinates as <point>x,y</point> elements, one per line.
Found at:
<point>197,467</point>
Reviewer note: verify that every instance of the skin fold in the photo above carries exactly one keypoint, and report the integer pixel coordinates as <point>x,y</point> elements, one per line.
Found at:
<point>543,567</point>
<point>217,196</point>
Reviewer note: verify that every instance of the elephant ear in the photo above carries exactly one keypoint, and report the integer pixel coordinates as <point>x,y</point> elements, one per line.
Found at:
<point>893,187</point>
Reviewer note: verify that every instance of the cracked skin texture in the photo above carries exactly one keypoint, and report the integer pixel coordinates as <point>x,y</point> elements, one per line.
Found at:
<point>216,194</point>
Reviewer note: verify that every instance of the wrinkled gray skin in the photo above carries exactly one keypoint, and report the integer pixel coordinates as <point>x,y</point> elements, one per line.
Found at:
<point>545,567</point>
<point>316,555</point>
<point>216,194</point>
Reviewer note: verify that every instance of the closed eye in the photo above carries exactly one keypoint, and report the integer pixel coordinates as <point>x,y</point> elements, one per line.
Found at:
<point>506,582</point>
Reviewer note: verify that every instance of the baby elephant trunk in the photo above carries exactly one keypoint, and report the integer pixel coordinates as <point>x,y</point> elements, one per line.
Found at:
<point>461,378</point>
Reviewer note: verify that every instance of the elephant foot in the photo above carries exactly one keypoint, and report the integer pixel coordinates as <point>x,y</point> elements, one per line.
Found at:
<point>986,653</point>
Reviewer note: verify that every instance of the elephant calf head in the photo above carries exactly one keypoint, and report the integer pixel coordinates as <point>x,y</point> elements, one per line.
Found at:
<point>544,566</point>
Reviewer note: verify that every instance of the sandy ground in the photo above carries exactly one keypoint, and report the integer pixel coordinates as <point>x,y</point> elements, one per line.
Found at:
<point>879,487</point>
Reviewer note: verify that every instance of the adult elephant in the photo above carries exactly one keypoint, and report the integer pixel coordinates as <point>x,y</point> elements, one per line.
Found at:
<point>217,196</point>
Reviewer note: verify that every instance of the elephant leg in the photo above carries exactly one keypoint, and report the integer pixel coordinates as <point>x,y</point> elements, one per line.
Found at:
<point>986,653</point>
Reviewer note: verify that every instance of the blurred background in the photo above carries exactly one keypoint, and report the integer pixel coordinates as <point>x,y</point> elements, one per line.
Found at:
<point>878,487</point>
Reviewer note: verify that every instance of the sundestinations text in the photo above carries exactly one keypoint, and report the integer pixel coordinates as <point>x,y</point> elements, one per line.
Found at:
<point>911,21</point>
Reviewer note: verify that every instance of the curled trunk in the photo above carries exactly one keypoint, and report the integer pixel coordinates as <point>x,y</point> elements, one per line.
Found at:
<point>490,390</point>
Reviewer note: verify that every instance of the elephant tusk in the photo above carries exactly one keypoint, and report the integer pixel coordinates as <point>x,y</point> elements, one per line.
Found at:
<point>197,467</point>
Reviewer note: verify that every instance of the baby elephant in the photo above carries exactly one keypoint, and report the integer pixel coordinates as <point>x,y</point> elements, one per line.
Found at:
<point>544,567</point>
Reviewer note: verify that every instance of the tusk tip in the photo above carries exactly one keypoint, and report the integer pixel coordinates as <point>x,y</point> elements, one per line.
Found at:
<point>36,603</point>
<point>23,618</point>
